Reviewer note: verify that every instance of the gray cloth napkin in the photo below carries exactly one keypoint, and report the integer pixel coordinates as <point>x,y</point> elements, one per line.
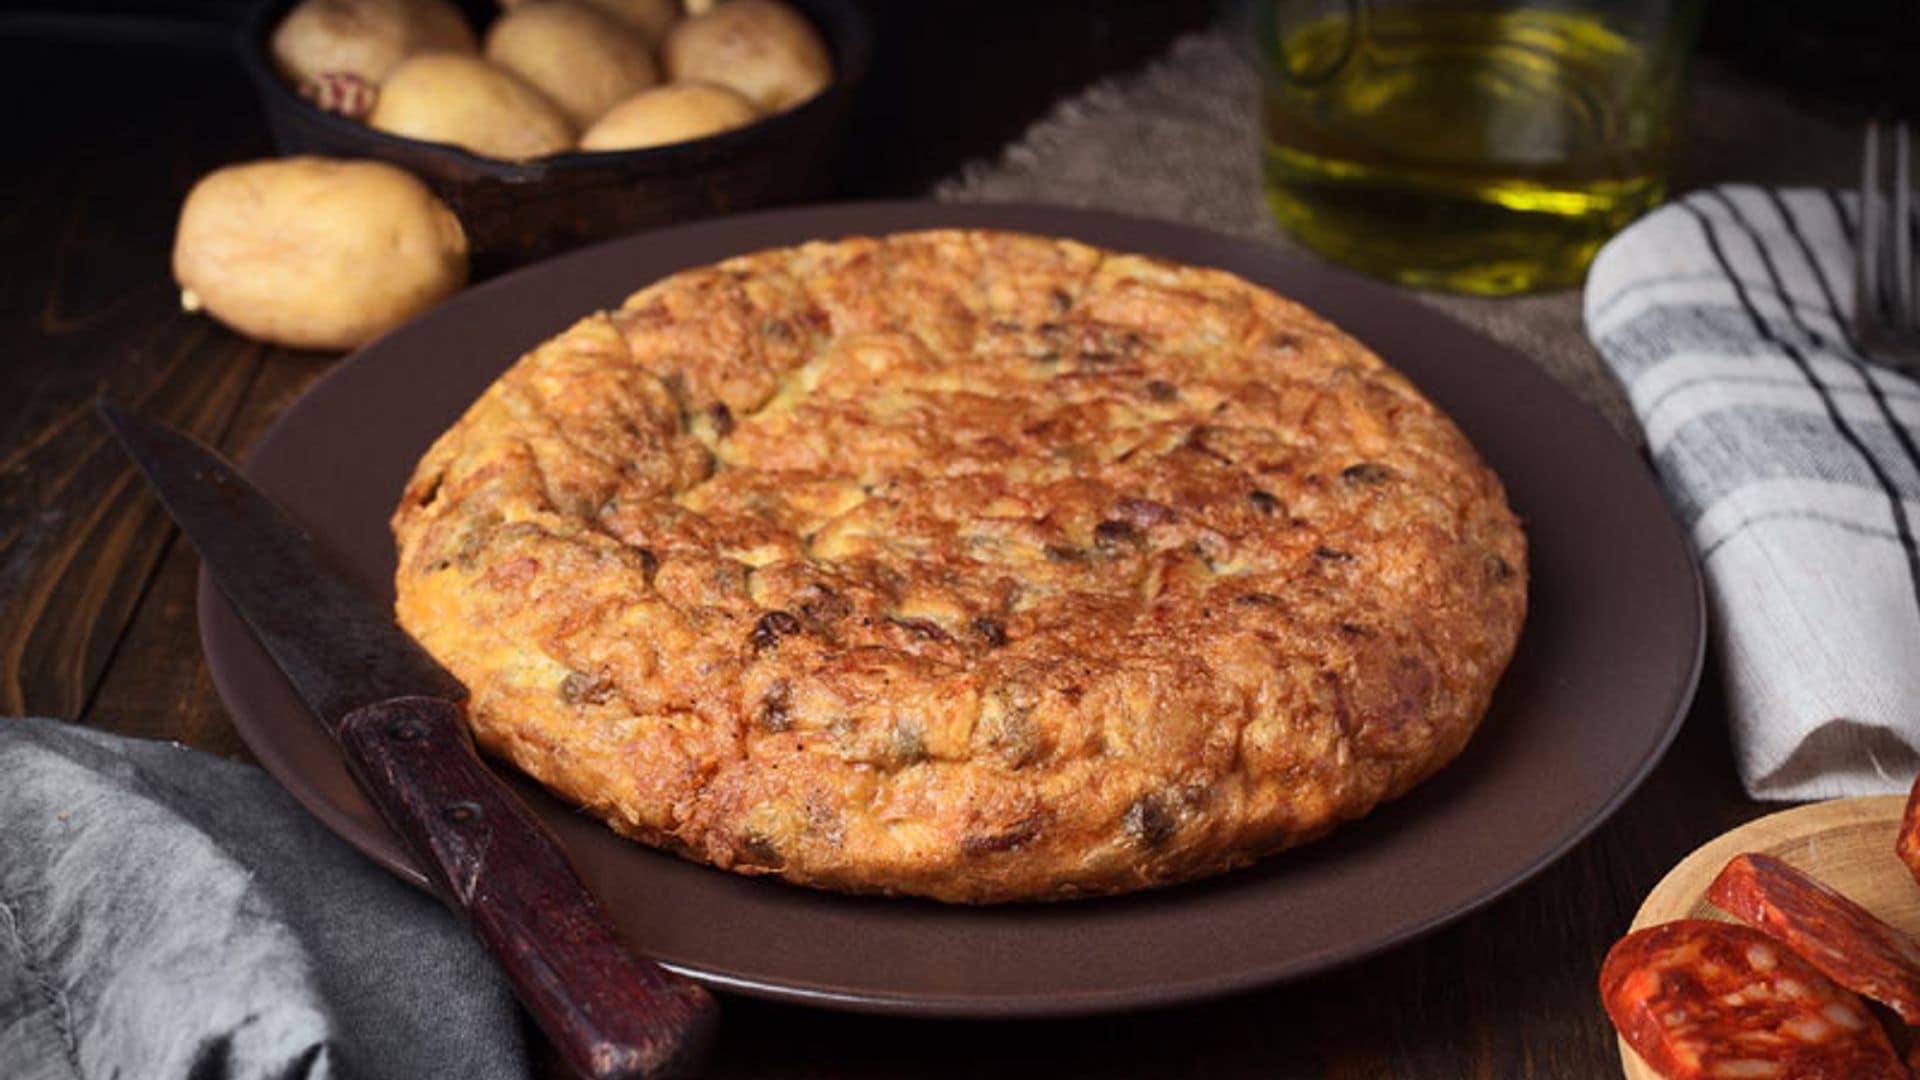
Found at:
<point>166,914</point>
<point>1793,458</point>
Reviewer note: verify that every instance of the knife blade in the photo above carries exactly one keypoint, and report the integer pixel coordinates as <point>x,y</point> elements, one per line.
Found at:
<point>398,717</point>
<point>339,649</point>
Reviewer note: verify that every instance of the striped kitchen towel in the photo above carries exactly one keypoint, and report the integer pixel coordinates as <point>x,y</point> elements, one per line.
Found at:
<point>1792,456</point>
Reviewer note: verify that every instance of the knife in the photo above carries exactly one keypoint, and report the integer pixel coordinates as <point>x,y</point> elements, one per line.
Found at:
<point>399,717</point>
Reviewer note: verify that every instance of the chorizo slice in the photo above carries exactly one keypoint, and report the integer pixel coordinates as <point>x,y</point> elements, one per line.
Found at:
<point>1706,1000</point>
<point>1844,940</point>
<point>1908,845</point>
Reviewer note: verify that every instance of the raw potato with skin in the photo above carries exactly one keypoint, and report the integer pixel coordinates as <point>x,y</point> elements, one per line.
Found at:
<point>676,112</point>
<point>963,564</point>
<point>583,59</point>
<point>466,101</point>
<point>365,38</point>
<point>316,254</point>
<point>762,48</point>
<point>650,17</point>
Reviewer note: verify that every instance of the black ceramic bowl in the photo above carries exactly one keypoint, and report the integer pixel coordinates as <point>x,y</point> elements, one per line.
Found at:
<point>515,212</point>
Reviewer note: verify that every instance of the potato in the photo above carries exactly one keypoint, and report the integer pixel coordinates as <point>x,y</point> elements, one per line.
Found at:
<point>584,59</point>
<point>367,38</point>
<point>313,253</point>
<point>672,113</point>
<point>762,48</point>
<point>650,17</point>
<point>466,101</point>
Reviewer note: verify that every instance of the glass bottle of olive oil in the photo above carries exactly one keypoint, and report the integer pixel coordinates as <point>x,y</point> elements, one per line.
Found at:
<point>1479,147</point>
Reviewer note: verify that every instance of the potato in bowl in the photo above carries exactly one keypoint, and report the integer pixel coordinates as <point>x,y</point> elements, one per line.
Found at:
<point>576,59</point>
<point>516,211</point>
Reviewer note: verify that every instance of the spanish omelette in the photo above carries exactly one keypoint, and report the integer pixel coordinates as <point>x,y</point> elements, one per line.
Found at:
<point>966,564</point>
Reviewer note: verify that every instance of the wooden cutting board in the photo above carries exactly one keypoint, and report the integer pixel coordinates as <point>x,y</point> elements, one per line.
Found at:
<point>1847,843</point>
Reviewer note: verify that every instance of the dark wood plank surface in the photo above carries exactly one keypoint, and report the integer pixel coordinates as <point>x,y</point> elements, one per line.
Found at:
<point>116,114</point>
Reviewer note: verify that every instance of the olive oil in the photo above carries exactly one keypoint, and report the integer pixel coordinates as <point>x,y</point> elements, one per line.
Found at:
<point>1446,146</point>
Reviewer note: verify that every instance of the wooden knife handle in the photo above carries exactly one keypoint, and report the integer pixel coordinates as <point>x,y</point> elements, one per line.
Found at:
<point>611,1013</point>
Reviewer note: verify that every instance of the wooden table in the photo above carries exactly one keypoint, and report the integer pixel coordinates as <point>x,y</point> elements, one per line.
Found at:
<point>116,118</point>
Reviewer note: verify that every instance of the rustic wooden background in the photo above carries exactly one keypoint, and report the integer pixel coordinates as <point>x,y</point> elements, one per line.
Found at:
<point>117,108</point>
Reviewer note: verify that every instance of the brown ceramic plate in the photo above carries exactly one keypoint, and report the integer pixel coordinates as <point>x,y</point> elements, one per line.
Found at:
<point>1604,673</point>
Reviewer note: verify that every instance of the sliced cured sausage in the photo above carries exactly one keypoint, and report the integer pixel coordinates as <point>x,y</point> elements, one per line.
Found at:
<point>1841,938</point>
<point>1908,845</point>
<point>1704,1000</point>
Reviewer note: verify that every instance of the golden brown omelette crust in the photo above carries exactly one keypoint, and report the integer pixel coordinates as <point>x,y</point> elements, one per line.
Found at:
<point>973,565</point>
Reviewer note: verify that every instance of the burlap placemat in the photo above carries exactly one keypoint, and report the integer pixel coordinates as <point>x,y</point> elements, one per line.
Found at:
<point>1180,141</point>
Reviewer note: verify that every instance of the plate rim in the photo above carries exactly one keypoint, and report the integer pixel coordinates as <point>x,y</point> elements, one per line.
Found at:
<point>211,605</point>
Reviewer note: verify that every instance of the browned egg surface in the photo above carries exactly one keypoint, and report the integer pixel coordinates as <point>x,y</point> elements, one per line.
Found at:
<point>973,565</point>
